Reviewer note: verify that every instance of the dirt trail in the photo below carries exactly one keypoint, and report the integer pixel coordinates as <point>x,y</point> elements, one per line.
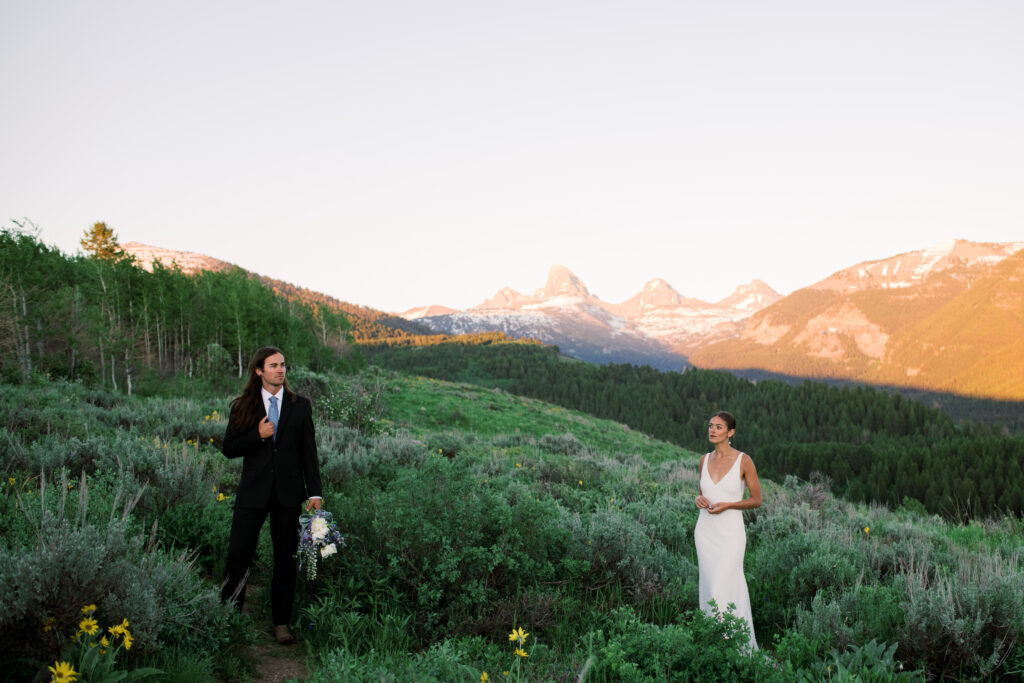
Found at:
<point>274,663</point>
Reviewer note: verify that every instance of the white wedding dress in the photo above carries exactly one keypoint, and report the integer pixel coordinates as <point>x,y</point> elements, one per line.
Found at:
<point>721,542</point>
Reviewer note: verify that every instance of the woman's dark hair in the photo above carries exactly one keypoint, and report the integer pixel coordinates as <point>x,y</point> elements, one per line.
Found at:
<point>247,407</point>
<point>728,418</point>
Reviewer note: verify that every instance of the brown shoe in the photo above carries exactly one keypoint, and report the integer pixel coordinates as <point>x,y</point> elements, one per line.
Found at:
<point>283,636</point>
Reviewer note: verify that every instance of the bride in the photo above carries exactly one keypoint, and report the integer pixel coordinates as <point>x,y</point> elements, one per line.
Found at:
<point>720,537</point>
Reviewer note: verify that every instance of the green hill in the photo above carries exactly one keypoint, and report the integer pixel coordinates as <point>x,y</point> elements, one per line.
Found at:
<point>470,512</point>
<point>873,445</point>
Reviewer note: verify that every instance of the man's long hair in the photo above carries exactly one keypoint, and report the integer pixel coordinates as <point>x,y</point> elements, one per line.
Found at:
<point>247,407</point>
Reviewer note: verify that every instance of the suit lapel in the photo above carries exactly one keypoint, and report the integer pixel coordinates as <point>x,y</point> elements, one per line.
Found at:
<point>286,411</point>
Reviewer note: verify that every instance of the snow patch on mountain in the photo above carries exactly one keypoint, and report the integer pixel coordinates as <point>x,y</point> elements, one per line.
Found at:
<point>962,258</point>
<point>426,311</point>
<point>932,255</point>
<point>657,320</point>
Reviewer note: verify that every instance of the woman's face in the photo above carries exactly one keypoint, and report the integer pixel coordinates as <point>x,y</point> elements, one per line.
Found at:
<point>718,431</point>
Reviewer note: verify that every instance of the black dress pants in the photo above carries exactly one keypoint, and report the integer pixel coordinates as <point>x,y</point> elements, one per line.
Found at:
<point>245,533</point>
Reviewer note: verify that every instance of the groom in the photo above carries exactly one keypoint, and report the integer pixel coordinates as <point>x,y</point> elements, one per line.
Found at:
<point>271,429</point>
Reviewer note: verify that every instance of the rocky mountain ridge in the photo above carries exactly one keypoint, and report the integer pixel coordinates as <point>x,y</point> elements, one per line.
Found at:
<point>947,318</point>
<point>657,326</point>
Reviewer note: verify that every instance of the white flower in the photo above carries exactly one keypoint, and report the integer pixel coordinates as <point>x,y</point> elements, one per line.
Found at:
<point>318,529</point>
<point>328,550</point>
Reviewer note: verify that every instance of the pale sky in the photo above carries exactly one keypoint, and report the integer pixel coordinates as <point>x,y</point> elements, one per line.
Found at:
<point>397,154</point>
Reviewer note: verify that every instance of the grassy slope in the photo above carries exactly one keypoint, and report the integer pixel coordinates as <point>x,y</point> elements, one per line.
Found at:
<point>423,405</point>
<point>819,568</point>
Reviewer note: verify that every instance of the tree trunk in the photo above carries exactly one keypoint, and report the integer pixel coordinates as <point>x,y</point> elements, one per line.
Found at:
<point>103,366</point>
<point>127,372</point>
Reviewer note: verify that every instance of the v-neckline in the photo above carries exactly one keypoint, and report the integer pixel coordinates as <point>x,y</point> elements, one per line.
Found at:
<point>707,467</point>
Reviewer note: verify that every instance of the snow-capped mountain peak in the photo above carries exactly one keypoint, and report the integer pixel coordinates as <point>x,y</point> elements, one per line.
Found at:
<point>506,297</point>
<point>752,297</point>
<point>912,268</point>
<point>658,293</point>
<point>562,282</point>
<point>564,312</point>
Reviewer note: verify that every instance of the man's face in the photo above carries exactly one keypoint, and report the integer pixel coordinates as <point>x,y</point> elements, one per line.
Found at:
<point>272,373</point>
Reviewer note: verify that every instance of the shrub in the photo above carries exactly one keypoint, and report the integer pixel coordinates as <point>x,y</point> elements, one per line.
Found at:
<point>450,444</point>
<point>513,440</point>
<point>963,623</point>
<point>566,444</point>
<point>701,647</point>
<point>873,661</point>
<point>621,551</point>
<point>73,561</point>
<point>357,403</point>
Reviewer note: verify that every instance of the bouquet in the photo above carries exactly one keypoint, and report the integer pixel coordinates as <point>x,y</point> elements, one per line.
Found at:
<point>319,538</point>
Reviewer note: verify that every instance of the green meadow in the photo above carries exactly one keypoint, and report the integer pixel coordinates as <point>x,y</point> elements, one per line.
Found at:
<point>468,513</point>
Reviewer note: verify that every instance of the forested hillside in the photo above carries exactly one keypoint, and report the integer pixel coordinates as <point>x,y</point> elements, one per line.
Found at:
<point>104,320</point>
<point>367,324</point>
<point>873,445</point>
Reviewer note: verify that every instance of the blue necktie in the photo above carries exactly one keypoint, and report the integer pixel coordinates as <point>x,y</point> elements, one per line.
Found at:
<point>273,415</point>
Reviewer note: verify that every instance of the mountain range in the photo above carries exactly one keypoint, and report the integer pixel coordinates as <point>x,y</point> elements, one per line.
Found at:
<point>658,326</point>
<point>948,318</point>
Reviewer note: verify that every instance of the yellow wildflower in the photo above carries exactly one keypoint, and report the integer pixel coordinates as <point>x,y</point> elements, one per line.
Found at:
<point>483,677</point>
<point>88,610</point>
<point>581,482</point>
<point>128,640</point>
<point>867,529</point>
<point>521,652</point>
<point>104,644</point>
<point>63,672</point>
<point>221,497</point>
<point>50,624</point>
<point>88,626</point>
<point>12,481</point>
<point>518,635</point>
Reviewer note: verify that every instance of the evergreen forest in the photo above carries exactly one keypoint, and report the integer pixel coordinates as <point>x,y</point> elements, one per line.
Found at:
<point>873,445</point>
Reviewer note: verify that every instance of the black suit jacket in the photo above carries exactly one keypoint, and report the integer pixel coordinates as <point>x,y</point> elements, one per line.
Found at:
<point>287,466</point>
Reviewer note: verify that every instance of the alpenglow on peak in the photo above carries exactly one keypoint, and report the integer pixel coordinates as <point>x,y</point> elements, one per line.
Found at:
<point>562,282</point>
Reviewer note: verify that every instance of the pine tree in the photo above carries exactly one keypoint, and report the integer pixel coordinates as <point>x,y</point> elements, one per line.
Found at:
<point>100,242</point>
